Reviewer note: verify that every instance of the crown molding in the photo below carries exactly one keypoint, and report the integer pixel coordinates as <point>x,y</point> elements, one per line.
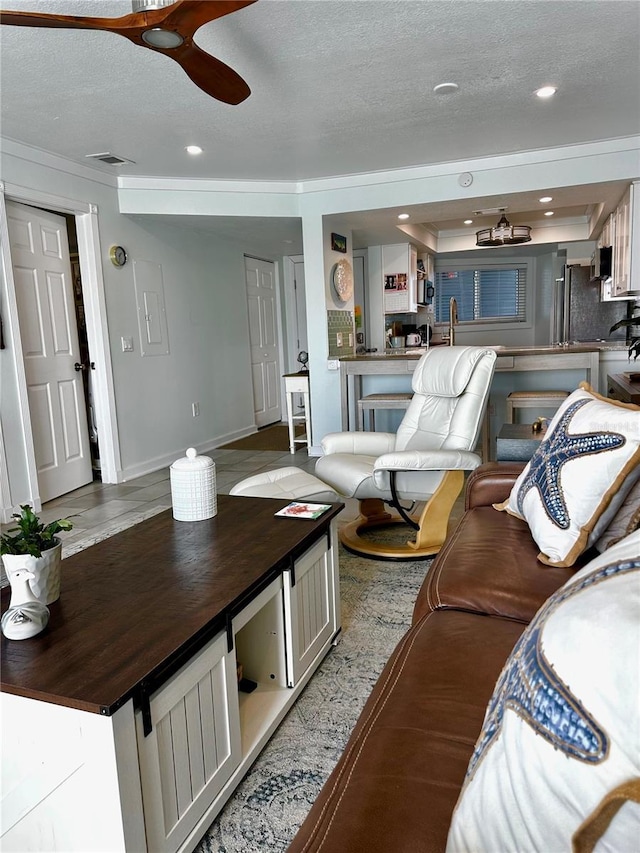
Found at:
<point>41,157</point>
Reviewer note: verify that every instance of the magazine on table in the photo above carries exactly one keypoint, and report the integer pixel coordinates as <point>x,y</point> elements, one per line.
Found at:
<point>297,509</point>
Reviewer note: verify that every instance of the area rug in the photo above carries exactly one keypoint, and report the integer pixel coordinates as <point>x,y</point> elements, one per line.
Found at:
<point>268,438</point>
<point>273,799</point>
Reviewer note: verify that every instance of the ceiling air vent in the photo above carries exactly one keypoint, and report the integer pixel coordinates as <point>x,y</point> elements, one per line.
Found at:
<point>111,159</point>
<point>489,211</point>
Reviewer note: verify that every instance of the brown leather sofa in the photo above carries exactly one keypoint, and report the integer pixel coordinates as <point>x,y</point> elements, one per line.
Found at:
<point>397,782</point>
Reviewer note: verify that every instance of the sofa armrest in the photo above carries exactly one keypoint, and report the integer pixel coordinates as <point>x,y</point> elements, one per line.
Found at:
<point>491,483</point>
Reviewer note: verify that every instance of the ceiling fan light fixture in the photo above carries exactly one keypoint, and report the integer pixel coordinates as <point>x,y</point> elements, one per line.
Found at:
<point>157,37</point>
<point>149,5</point>
<point>503,234</point>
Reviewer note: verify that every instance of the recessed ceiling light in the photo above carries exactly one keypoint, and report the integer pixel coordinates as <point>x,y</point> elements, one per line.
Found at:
<point>403,216</point>
<point>193,149</point>
<point>446,88</point>
<point>545,199</point>
<point>548,213</point>
<point>468,221</point>
<point>546,92</point>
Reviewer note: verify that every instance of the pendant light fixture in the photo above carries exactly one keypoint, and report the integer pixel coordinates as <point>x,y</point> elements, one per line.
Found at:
<point>503,234</point>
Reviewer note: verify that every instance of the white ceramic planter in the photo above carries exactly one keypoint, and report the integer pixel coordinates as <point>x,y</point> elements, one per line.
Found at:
<point>45,583</point>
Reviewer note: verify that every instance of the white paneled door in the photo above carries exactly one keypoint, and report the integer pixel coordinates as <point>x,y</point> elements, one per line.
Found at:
<point>49,332</point>
<point>263,338</point>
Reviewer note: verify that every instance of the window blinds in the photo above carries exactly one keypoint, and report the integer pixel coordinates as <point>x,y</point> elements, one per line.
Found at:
<point>495,294</point>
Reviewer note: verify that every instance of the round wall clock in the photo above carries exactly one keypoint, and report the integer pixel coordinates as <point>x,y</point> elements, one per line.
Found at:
<point>118,256</point>
<point>342,278</point>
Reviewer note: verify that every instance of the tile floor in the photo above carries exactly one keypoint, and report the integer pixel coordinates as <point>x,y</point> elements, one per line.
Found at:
<point>95,506</point>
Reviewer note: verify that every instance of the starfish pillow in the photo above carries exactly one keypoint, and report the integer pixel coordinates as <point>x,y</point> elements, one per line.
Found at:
<point>579,476</point>
<point>557,763</point>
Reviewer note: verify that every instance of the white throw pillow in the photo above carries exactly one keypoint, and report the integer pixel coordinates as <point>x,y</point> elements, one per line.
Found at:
<point>625,521</point>
<point>578,477</point>
<point>562,729</point>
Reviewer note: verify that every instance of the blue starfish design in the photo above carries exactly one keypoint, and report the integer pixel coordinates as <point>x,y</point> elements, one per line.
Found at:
<point>555,451</point>
<point>529,686</point>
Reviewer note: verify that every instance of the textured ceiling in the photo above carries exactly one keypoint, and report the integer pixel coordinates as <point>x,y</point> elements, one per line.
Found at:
<point>338,88</point>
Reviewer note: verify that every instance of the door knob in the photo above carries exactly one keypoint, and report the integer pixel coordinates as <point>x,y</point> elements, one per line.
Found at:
<point>78,367</point>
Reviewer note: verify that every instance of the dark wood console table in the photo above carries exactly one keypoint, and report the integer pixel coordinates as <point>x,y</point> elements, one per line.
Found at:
<point>621,388</point>
<point>132,692</point>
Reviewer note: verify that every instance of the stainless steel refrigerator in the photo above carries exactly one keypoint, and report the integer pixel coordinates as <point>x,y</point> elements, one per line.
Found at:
<point>577,314</point>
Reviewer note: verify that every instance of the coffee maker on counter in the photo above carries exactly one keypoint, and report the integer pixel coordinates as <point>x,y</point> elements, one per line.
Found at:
<point>425,333</point>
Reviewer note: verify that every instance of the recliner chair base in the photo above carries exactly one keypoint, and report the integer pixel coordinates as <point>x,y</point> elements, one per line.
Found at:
<point>432,525</point>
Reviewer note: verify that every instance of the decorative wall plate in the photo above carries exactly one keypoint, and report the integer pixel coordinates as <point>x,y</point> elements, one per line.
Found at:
<point>342,278</point>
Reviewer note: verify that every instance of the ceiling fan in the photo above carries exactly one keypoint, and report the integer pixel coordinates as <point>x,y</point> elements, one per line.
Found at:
<point>166,26</point>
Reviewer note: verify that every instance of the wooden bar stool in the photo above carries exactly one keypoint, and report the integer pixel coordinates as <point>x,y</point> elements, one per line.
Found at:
<point>533,400</point>
<point>380,401</point>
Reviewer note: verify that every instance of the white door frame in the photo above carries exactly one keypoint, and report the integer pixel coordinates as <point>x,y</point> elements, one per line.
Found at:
<point>93,293</point>
<point>291,323</point>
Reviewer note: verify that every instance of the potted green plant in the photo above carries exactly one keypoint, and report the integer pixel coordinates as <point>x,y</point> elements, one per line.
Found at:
<point>634,344</point>
<point>34,546</point>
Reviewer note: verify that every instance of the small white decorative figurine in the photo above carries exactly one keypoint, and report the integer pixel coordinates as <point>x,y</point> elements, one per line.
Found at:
<point>26,616</point>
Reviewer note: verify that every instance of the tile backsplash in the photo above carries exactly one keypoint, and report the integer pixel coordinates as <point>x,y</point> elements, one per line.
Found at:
<point>341,333</point>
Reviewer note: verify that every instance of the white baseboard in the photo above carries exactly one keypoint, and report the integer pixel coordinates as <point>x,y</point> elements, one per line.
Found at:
<point>165,461</point>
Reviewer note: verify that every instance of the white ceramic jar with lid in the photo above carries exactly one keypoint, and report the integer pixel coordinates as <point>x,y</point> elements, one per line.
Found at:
<point>193,487</point>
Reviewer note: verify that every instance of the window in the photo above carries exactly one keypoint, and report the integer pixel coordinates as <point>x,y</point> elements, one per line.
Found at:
<point>490,294</point>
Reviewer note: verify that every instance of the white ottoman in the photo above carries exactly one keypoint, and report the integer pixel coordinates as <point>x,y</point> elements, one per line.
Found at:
<point>290,483</point>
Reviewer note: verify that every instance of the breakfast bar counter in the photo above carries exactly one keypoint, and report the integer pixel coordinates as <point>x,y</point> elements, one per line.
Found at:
<point>510,359</point>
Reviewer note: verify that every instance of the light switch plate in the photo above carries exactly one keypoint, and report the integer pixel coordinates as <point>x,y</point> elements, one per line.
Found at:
<point>127,344</point>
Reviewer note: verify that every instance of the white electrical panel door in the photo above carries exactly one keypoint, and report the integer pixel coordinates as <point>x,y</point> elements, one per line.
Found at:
<point>311,607</point>
<point>193,747</point>
<point>152,315</point>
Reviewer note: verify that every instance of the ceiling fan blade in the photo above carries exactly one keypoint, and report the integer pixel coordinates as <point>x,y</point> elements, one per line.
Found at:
<point>78,22</point>
<point>210,74</point>
<point>186,16</point>
<point>183,18</point>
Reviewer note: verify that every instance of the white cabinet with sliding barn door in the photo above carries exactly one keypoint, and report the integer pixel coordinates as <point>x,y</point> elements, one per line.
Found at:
<point>193,746</point>
<point>312,607</point>
<point>161,714</point>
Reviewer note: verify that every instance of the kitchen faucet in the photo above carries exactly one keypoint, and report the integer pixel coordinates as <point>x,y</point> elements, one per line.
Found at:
<point>453,319</point>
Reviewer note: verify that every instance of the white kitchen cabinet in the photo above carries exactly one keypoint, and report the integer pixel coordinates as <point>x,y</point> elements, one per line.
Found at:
<point>606,237</point>
<point>400,277</point>
<point>622,232</point>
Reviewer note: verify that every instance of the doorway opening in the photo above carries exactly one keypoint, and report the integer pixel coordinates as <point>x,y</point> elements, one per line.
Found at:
<point>53,348</point>
<point>87,367</point>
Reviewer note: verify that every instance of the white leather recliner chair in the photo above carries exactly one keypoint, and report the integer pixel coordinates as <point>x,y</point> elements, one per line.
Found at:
<point>424,461</point>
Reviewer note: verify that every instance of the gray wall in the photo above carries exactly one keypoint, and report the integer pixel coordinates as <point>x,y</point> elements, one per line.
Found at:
<point>208,358</point>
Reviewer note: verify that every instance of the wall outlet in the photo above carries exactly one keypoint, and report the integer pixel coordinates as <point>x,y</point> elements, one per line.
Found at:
<point>338,339</point>
<point>195,409</point>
